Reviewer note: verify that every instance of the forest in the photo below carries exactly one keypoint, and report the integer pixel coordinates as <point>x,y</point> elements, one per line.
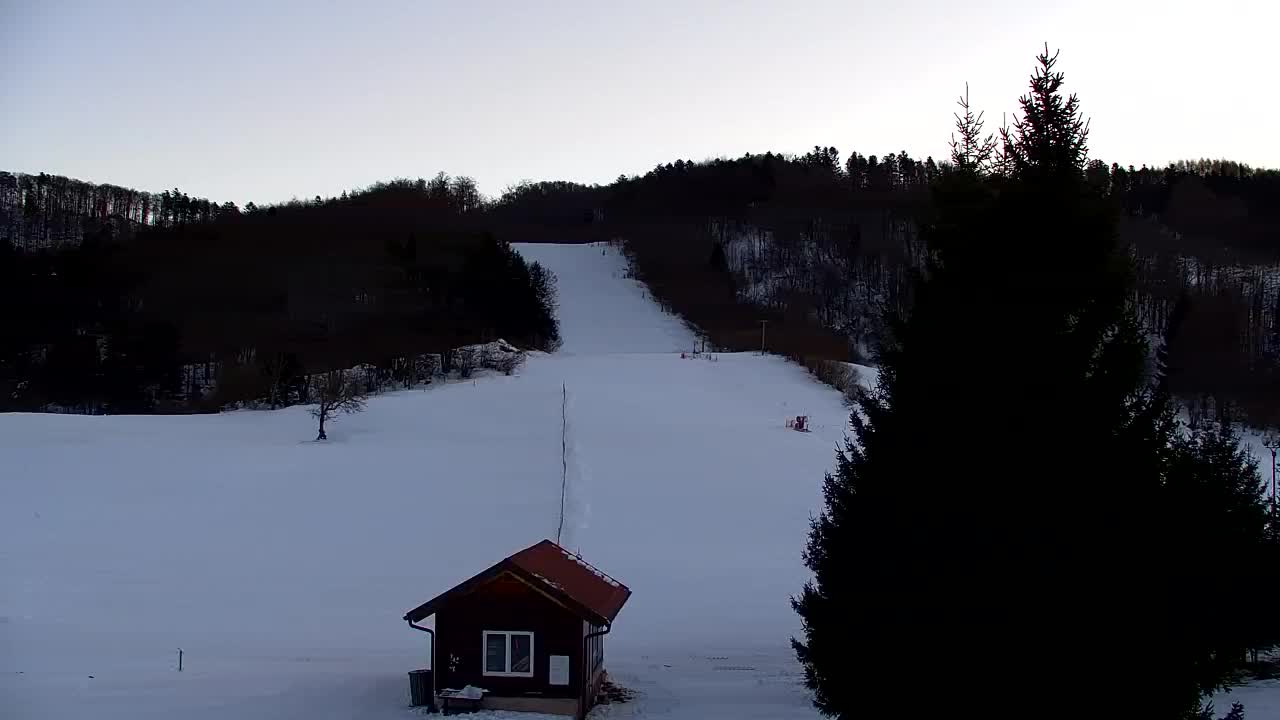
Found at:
<point>144,302</point>
<point>137,303</point>
<point>823,250</point>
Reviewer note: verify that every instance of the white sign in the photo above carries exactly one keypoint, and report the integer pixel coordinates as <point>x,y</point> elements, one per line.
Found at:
<point>559,670</point>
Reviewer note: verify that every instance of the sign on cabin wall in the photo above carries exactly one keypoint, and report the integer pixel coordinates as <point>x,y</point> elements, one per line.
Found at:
<point>559,670</point>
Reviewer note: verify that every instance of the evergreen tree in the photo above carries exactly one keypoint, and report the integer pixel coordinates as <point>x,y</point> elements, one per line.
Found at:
<point>1049,139</point>
<point>993,527</point>
<point>1215,513</point>
<point>717,261</point>
<point>971,152</point>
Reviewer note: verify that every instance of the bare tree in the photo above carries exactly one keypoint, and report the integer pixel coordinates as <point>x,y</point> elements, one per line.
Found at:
<point>486,357</point>
<point>425,368</point>
<point>466,359</point>
<point>337,394</point>
<point>274,367</point>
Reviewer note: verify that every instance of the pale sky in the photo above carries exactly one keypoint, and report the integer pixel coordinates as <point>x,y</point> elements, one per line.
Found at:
<point>269,100</point>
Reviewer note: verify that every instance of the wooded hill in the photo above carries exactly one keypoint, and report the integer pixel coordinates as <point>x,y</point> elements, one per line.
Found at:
<point>822,248</point>
<point>192,313</point>
<point>817,246</point>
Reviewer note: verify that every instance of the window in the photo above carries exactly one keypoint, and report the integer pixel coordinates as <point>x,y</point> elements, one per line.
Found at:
<point>508,653</point>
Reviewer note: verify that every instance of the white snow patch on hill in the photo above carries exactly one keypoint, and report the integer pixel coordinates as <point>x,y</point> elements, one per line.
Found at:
<point>282,567</point>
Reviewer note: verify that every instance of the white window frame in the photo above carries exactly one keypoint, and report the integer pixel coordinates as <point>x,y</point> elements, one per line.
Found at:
<point>484,653</point>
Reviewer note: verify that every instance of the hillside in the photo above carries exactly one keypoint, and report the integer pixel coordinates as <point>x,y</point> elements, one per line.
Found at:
<point>282,567</point>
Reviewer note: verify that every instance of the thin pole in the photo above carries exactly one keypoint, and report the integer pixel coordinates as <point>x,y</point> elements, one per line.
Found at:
<point>762,324</point>
<point>564,452</point>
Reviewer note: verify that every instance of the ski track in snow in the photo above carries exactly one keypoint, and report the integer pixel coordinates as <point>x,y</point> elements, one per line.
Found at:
<point>282,567</point>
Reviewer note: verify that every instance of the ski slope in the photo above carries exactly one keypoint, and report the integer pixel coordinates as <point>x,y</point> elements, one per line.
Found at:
<point>600,311</point>
<point>282,567</point>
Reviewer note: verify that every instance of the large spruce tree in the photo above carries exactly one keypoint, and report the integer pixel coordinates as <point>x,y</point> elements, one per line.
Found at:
<point>995,540</point>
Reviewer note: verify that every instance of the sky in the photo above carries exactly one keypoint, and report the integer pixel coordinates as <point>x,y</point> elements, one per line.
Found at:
<point>270,100</point>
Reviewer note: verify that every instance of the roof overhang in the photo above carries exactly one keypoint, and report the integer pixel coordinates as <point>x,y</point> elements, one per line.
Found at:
<point>466,587</point>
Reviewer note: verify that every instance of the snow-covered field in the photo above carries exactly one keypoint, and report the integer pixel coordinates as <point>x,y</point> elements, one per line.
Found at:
<point>282,566</point>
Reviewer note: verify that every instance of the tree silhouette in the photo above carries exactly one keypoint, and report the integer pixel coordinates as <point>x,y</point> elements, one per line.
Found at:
<point>1022,499</point>
<point>336,394</point>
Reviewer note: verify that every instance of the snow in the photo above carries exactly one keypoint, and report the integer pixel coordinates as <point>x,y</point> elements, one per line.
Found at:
<point>470,692</point>
<point>601,311</point>
<point>1261,700</point>
<point>282,567</point>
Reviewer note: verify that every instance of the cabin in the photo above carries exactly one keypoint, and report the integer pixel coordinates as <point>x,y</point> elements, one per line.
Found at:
<point>529,630</point>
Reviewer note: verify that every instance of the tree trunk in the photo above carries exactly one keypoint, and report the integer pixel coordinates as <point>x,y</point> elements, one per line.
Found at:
<point>322,436</point>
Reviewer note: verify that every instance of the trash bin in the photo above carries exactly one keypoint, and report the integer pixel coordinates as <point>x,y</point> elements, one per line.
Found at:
<point>422,689</point>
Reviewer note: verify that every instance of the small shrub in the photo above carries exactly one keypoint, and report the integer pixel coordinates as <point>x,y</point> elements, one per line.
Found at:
<point>425,368</point>
<point>507,362</point>
<point>841,376</point>
<point>466,360</point>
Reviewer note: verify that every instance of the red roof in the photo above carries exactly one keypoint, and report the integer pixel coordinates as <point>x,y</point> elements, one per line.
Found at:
<point>592,593</point>
<point>575,577</point>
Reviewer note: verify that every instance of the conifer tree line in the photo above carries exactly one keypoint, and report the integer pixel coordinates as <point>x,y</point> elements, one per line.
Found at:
<point>1029,530</point>
<point>195,313</point>
<point>43,211</point>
